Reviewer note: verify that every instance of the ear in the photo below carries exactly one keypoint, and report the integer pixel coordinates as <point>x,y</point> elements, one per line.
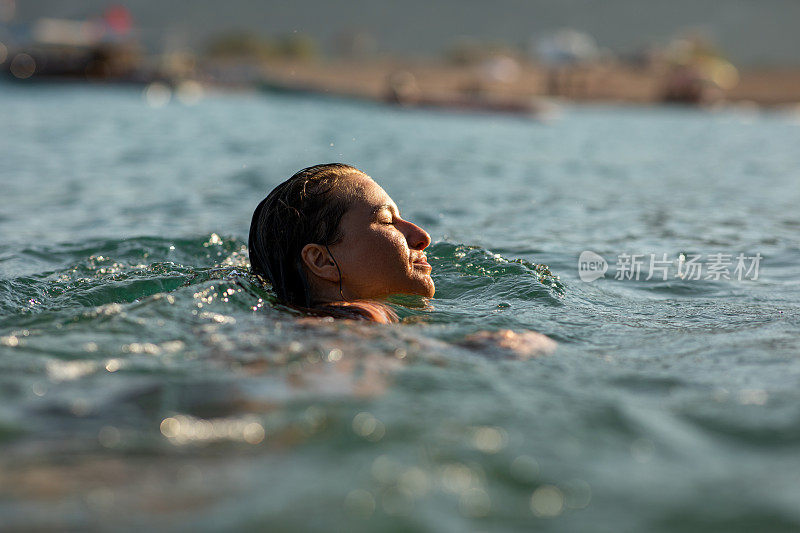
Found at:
<point>319,262</point>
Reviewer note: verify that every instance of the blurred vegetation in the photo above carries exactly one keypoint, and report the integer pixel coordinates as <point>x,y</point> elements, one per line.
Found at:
<point>247,45</point>
<point>466,51</point>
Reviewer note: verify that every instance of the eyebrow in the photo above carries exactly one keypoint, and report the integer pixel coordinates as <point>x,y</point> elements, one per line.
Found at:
<point>384,206</point>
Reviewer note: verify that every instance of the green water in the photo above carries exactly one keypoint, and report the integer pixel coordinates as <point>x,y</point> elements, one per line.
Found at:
<point>147,381</point>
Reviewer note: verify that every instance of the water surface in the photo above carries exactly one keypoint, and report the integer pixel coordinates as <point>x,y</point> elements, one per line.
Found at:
<point>147,380</point>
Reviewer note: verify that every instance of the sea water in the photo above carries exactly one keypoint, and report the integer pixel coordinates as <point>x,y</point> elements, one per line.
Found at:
<point>146,380</point>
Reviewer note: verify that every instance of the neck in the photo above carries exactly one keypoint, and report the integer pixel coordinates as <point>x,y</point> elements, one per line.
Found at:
<point>326,293</point>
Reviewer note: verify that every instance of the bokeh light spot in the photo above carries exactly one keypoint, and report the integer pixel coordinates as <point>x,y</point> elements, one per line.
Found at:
<point>22,66</point>
<point>547,501</point>
<point>360,503</point>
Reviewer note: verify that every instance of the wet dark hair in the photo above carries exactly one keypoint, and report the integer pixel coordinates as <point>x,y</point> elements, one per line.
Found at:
<point>306,208</point>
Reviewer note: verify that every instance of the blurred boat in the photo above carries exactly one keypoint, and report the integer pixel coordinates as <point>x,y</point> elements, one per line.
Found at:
<point>102,49</point>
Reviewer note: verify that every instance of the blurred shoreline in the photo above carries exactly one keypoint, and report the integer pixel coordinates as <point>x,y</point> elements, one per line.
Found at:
<point>617,83</point>
<point>566,65</point>
<point>439,83</point>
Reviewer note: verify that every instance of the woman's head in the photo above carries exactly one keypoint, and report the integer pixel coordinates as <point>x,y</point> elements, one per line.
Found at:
<point>330,233</point>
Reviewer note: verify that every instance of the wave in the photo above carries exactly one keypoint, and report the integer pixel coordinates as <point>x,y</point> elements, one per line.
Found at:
<point>56,281</point>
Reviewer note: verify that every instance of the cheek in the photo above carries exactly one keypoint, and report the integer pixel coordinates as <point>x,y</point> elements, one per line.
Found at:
<point>399,249</point>
<point>380,252</point>
<point>392,256</point>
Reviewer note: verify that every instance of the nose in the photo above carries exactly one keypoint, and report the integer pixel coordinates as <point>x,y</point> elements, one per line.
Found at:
<point>416,237</point>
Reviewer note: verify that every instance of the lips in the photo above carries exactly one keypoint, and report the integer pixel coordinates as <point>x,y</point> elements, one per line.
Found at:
<point>422,262</point>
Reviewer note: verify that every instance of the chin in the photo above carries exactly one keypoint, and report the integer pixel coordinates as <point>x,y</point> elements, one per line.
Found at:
<point>417,284</point>
<point>427,289</point>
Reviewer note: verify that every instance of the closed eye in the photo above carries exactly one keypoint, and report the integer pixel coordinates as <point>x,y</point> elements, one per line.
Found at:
<point>385,215</point>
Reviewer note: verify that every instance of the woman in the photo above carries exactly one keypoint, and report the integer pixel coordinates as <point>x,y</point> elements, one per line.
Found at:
<point>331,241</point>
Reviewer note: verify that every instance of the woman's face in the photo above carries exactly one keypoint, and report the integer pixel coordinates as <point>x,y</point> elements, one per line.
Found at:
<point>380,253</point>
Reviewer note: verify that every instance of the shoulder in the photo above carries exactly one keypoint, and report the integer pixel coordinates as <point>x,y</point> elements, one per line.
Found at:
<point>359,310</point>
